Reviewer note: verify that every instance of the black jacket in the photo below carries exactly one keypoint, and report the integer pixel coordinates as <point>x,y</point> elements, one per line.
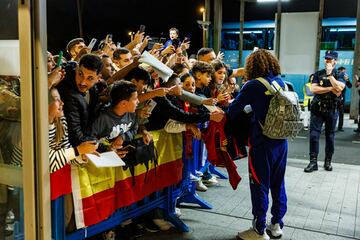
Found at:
<point>165,110</point>
<point>76,109</point>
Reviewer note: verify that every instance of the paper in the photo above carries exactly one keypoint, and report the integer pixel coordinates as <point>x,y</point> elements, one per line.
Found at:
<point>161,69</point>
<point>211,108</point>
<point>106,159</point>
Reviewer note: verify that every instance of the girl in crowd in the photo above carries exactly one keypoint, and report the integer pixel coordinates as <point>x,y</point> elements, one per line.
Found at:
<point>219,83</point>
<point>61,154</point>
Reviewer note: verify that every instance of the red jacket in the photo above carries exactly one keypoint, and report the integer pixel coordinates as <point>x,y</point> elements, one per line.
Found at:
<point>215,141</point>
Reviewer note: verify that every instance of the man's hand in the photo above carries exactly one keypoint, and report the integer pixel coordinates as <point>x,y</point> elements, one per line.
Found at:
<point>329,68</point>
<point>209,101</point>
<point>184,46</point>
<point>175,90</point>
<point>55,77</point>
<point>138,38</point>
<point>144,112</point>
<point>121,153</point>
<point>194,130</point>
<point>169,50</point>
<point>220,56</point>
<point>117,143</point>
<point>216,116</point>
<point>157,46</point>
<point>147,137</point>
<point>223,97</point>
<point>88,147</point>
<point>161,92</point>
<point>337,93</point>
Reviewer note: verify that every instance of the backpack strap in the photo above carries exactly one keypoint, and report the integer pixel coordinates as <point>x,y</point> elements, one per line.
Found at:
<point>270,90</point>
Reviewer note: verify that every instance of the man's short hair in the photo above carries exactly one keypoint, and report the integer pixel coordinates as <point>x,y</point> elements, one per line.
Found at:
<point>171,81</point>
<point>91,62</point>
<point>73,42</point>
<point>120,91</point>
<point>120,51</point>
<point>174,29</point>
<point>341,68</point>
<point>204,51</point>
<point>138,74</point>
<point>202,67</point>
<point>178,68</point>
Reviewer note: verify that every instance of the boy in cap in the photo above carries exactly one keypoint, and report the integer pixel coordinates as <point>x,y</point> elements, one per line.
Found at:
<point>327,90</point>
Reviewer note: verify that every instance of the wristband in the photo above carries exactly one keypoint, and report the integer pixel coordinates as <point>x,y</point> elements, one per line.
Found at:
<point>76,152</point>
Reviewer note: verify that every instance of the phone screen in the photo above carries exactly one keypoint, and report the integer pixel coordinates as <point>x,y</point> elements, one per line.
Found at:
<point>92,43</point>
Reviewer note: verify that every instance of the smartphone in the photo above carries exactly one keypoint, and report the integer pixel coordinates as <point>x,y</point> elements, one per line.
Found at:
<point>152,104</point>
<point>92,43</point>
<point>175,43</point>
<point>59,61</point>
<point>162,40</point>
<point>128,148</point>
<point>108,38</point>
<point>142,28</point>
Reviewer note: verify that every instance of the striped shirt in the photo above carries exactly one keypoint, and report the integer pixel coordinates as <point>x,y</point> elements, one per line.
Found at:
<point>61,153</point>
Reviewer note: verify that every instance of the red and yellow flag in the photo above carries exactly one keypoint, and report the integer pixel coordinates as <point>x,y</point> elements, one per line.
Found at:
<point>98,192</point>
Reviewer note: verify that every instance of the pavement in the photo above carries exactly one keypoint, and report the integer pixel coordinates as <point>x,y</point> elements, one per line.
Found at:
<point>321,205</point>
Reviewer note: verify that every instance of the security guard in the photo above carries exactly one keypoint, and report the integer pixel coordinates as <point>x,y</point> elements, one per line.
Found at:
<point>327,90</point>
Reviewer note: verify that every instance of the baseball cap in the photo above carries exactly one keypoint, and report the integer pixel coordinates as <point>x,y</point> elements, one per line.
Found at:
<point>329,54</point>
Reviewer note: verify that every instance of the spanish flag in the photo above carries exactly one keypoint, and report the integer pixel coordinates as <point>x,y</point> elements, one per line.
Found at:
<point>98,192</point>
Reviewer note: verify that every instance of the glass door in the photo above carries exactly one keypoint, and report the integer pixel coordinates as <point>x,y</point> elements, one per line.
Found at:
<point>24,190</point>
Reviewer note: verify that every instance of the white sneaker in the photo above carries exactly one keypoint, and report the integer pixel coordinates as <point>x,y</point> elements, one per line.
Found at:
<point>177,212</point>
<point>251,234</point>
<point>198,173</point>
<point>275,230</point>
<point>194,178</point>
<point>162,224</point>
<point>201,187</point>
<point>211,182</point>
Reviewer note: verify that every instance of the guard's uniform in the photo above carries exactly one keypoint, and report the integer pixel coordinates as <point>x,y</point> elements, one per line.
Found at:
<point>324,109</point>
<point>267,157</point>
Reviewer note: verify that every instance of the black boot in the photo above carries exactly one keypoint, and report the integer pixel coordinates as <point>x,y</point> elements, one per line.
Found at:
<point>327,163</point>
<point>312,165</point>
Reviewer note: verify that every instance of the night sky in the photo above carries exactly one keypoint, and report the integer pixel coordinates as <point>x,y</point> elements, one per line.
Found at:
<point>118,17</point>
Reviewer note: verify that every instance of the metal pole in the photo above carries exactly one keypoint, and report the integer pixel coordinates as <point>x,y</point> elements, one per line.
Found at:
<point>319,34</point>
<point>278,26</point>
<point>354,104</point>
<point>207,18</point>
<point>78,5</point>
<point>204,31</point>
<point>217,24</point>
<point>241,34</point>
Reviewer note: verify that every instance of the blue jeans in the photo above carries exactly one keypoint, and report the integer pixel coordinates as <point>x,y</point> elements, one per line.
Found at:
<point>316,122</point>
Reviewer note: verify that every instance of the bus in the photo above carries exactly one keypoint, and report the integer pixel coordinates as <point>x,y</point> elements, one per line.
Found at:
<point>337,34</point>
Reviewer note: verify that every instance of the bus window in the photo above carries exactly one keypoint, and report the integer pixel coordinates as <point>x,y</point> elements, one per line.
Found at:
<point>338,38</point>
<point>252,38</point>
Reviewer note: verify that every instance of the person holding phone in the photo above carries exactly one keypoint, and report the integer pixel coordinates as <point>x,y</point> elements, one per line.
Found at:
<point>174,38</point>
